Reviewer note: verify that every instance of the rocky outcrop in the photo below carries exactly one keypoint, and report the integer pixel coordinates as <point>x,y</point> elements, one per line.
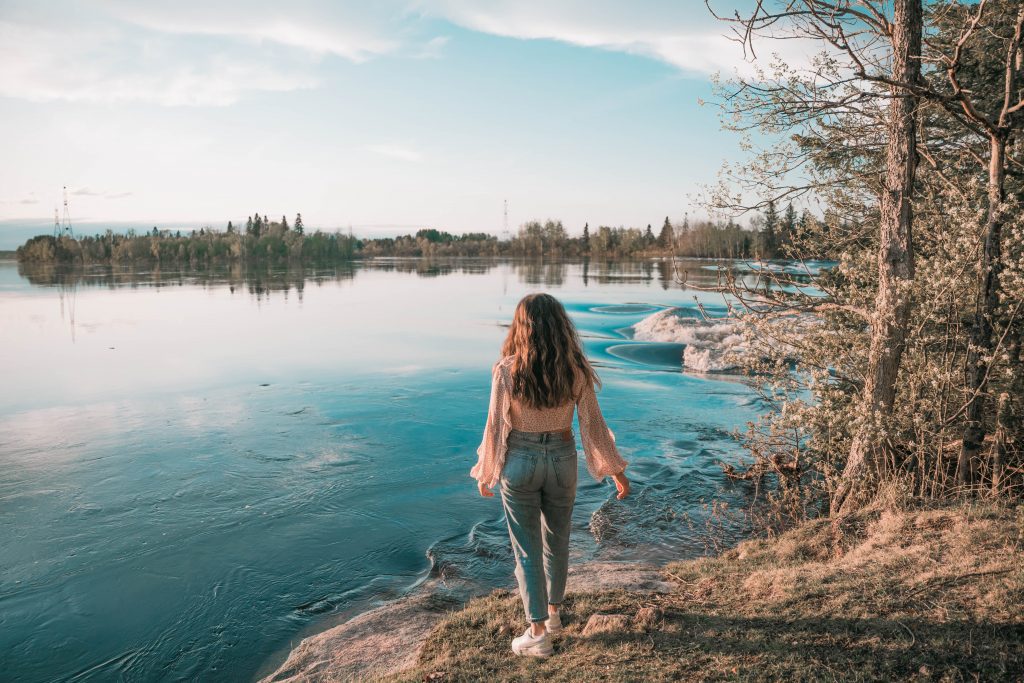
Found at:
<point>373,644</point>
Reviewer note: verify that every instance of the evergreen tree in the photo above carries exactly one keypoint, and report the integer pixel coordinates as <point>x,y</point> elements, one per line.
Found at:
<point>284,223</point>
<point>667,237</point>
<point>649,235</point>
<point>231,228</point>
<point>249,227</point>
<point>586,237</point>
<point>770,231</point>
<point>299,228</point>
<point>788,225</point>
<point>802,225</point>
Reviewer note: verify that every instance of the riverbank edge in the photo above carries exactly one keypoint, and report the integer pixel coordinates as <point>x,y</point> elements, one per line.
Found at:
<point>911,594</point>
<point>886,594</point>
<point>388,639</point>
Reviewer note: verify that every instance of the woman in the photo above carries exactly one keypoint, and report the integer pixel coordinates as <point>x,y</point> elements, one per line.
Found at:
<point>528,446</point>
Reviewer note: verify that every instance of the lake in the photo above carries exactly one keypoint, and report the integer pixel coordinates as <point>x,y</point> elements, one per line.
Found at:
<point>198,470</point>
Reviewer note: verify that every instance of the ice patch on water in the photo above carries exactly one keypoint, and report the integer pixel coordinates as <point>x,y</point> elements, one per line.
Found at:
<point>711,346</point>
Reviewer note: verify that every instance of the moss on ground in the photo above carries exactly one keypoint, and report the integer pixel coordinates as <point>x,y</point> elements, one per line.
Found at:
<point>917,595</point>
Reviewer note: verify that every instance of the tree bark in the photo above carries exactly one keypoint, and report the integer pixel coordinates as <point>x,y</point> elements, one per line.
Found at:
<point>999,447</point>
<point>895,265</point>
<point>982,342</point>
<point>982,334</point>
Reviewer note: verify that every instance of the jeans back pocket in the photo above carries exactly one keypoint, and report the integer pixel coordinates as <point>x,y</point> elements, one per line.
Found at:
<point>518,469</point>
<point>564,463</point>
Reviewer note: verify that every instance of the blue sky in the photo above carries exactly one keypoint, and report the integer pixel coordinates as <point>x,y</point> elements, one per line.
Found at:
<point>384,116</point>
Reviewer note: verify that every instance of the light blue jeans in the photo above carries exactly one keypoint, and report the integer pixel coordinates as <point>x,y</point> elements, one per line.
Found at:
<point>538,490</point>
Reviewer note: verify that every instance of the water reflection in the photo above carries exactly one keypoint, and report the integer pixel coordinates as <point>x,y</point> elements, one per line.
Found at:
<point>68,292</point>
<point>262,280</point>
<point>258,281</point>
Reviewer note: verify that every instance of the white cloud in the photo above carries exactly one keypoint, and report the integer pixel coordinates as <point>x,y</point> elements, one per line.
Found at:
<point>108,64</point>
<point>89,192</point>
<point>353,31</point>
<point>188,53</point>
<point>682,34</point>
<point>215,52</point>
<point>396,152</point>
<point>432,48</point>
<point>30,199</point>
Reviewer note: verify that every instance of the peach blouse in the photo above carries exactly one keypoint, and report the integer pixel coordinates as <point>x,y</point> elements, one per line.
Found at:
<point>506,413</point>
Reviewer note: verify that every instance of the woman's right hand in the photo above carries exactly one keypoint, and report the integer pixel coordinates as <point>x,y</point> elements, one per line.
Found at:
<point>622,484</point>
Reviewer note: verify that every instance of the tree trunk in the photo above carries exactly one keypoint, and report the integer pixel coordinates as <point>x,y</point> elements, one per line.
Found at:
<point>999,446</point>
<point>1008,418</point>
<point>895,265</point>
<point>982,343</point>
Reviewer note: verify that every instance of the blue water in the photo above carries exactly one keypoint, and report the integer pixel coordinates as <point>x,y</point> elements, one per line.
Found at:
<point>197,471</point>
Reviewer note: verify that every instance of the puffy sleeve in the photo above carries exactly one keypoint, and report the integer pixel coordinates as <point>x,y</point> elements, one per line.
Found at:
<point>491,452</point>
<point>603,457</point>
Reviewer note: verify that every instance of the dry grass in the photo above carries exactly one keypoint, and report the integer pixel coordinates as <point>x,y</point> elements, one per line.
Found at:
<point>908,595</point>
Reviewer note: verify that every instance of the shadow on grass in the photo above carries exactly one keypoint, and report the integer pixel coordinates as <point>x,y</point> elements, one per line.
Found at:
<point>686,644</point>
<point>815,648</point>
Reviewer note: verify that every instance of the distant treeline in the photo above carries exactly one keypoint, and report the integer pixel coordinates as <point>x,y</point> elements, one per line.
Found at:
<point>261,240</point>
<point>769,235</point>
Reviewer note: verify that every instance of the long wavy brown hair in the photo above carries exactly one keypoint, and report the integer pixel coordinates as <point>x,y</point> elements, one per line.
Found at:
<point>548,365</point>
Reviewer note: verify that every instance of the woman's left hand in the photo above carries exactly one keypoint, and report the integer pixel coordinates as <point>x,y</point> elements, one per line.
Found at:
<point>621,484</point>
<point>484,490</point>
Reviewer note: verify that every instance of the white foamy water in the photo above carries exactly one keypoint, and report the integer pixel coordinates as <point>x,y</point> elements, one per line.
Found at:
<point>711,346</point>
<point>717,345</point>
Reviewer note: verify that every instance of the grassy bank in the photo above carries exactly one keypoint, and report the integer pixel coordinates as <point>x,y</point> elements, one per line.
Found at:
<point>908,595</point>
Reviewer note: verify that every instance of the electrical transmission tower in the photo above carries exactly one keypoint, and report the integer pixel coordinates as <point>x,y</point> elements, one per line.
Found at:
<point>504,232</point>
<point>62,227</point>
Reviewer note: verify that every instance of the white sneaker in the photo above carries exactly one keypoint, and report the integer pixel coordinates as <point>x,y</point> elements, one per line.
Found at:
<point>554,623</point>
<point>532,646</point>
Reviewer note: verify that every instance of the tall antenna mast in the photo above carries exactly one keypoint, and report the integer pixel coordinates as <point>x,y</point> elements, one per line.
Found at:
<point>504,232</point>
<point>56,222</point>
<point>65,226</point>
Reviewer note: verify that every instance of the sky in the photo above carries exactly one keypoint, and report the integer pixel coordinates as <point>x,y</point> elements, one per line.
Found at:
<point>386,116</point>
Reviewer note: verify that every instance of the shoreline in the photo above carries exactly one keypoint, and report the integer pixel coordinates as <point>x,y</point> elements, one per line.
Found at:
<point>917,593</point>
<point>387,639</point>
<point>907,594</point>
